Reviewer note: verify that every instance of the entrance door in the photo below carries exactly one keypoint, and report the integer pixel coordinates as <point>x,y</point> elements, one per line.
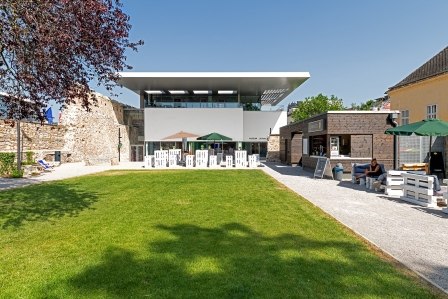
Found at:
<point>136,153</point>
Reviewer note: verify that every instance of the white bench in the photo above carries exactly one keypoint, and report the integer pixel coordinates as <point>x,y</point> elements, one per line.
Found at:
<point>252,161</point>
<point>419,189</point>
<point>229,161</point>
<point>161,158</point>
<point>240,159</point>
<point>219,159</point>
<point>445,198</point>
<point>189,161</point>
<point>201,158</point>
<point>213,161</point>
<point>149,161</point>
<point>172,160</point>
<point>394,183</point>
<point>178,156</point>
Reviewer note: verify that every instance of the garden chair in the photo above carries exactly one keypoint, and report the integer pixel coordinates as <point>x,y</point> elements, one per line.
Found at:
<point>44,164</point>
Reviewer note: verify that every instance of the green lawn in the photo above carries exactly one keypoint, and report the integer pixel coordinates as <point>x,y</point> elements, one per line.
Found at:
<point>183,234</point>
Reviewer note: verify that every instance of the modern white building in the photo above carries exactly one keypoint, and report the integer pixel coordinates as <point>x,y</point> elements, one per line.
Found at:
<point>179,107</point>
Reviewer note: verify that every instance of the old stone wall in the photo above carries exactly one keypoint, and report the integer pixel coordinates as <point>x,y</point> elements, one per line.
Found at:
<point>92,136</point>
<point>273,148</point>
<point>37,138</point>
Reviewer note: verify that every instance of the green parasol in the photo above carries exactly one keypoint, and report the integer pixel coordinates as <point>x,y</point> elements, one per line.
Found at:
<point>427,127</point>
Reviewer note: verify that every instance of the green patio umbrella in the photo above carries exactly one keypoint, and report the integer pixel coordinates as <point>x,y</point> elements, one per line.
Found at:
<point>427,127</point>
<point>214,137</point>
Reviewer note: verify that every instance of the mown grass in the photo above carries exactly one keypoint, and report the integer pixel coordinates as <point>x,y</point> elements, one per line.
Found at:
<point>183,234</point>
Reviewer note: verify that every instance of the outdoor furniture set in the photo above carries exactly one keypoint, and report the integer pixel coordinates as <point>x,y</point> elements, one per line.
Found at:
<point>201,159</point>
<point>411,186</point>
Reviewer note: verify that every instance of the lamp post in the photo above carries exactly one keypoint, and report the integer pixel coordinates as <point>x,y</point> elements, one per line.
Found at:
<point>119,144</point>
<point>19,154</point>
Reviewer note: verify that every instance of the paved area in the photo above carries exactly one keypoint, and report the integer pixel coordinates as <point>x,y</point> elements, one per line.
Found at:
<point>414,235</point>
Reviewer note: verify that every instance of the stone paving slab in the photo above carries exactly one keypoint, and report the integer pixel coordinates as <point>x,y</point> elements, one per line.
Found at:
<point>414,235</point>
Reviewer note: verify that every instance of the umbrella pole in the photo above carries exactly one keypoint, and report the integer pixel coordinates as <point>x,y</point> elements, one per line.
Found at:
<point>429,157</point>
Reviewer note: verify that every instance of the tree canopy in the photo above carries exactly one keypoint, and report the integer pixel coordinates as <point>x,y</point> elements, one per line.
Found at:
<point>53,49</point>
<point>368,105</point>
<point>311,106</point>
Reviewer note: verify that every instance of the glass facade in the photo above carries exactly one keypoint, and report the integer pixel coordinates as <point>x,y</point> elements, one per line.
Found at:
<point>202,101</point>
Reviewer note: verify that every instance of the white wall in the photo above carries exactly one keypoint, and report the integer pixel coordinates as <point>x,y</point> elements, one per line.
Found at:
<point>257,124</point>
<point>163,122</point>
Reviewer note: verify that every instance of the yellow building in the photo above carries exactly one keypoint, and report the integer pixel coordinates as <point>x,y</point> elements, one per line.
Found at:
<point>424,93</point>
<point>421,95</point>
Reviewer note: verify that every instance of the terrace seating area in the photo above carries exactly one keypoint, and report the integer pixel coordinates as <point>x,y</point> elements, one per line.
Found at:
<point>173,158</point>
<point>410,184</point>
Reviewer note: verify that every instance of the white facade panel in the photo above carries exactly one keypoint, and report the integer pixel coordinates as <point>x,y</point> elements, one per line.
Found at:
<point>258,124</point>
<point>163,122</point>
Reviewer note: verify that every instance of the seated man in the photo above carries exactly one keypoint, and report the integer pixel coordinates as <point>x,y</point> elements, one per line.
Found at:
<point>374,170</point>
<point>381,180</point>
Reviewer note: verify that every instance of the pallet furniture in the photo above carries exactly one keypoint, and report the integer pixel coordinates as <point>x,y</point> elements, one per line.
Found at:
<point>252,161</point>
<point>394,183</point>
<point>419,189</point>
<point>415,167</point>
<point>161,158</point>
<point>445,197</point>
<point>149,161</point>
<point>189,161</point>
<point>229,161</point>
<point>240,159</point>
<point>213,161</point>
<point>201,158</point>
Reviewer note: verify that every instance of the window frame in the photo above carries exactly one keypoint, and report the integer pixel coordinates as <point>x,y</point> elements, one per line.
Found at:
<point>404,117</point>
<point>431,111</point>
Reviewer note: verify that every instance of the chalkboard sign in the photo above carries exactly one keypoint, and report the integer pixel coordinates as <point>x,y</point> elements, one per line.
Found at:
<point>323,167</point>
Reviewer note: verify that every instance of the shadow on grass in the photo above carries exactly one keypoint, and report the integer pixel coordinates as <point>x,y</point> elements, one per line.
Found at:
<point>41,203</point>
<point>234,261</point>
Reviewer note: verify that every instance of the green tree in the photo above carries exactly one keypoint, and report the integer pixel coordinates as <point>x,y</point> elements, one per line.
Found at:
<point>368,105</point>
<point>311,106</point>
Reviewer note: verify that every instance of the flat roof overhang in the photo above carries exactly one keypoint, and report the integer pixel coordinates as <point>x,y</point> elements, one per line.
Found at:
<point>271,86</point>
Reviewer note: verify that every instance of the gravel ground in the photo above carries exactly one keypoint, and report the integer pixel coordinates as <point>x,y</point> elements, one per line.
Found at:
<point>414,235</point>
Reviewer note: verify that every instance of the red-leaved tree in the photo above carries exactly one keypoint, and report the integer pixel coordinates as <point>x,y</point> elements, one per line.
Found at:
<point>52,49</point>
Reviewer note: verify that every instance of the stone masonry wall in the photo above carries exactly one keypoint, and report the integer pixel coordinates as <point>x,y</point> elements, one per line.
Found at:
<point>37,138</point>
<point>273,148</point>
<point>92,136</point>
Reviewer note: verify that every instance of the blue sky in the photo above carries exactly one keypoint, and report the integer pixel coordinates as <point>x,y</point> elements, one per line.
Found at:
<point>352,49</point>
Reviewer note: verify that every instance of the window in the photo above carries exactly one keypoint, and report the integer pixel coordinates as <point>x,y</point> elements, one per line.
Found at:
<point>431,111</point>
<point>404,117</point>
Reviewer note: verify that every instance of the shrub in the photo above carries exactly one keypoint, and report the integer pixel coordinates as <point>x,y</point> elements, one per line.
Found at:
<point>29,158</point>
<point>6,163</point>
<point>15,173</point>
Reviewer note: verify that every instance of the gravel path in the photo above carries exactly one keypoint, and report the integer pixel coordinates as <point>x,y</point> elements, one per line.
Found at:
<point>414,235</point>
